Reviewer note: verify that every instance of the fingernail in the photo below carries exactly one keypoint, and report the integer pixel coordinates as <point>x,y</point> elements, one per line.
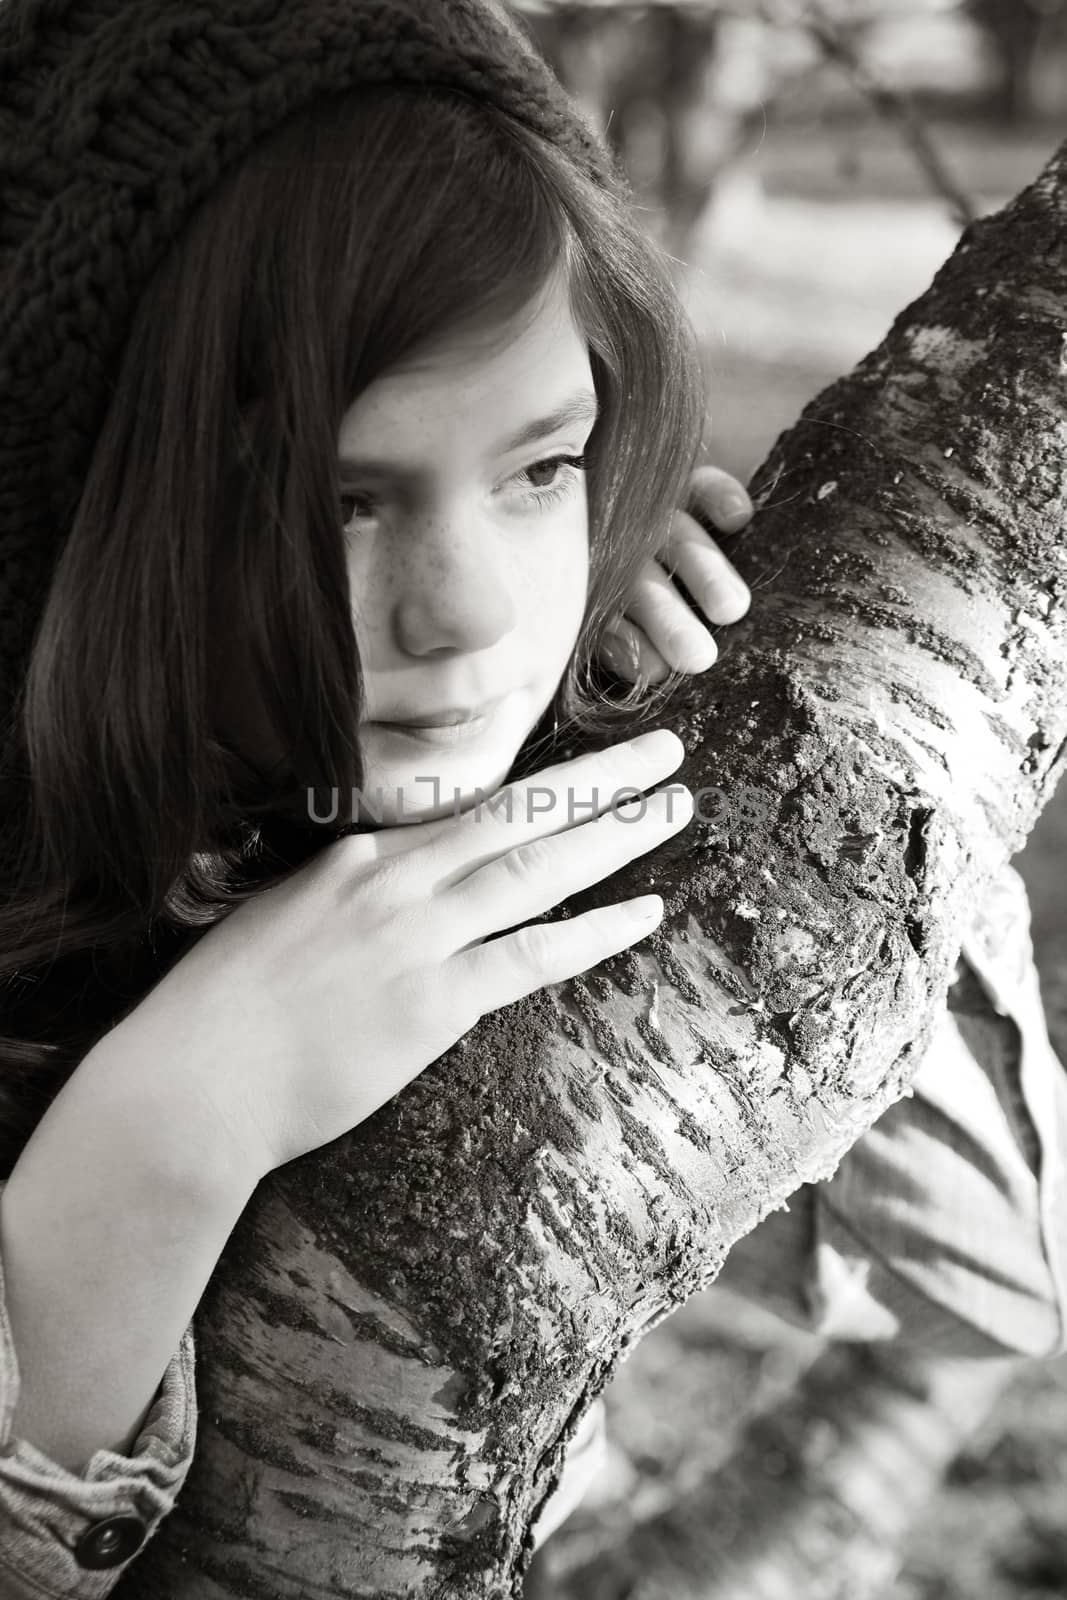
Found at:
<point>734,505</point>
<point>647,908</point>
<point>611,650</point>
<point>705,651</point>
<point>729,590</point>
<point>623,643</point>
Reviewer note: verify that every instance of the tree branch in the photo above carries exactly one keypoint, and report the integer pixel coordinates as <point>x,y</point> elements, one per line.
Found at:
<point>896,107</point>
<point>407,1326</point>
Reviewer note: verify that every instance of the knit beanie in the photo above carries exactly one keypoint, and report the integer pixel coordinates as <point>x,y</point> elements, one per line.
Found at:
<point>116,117</point>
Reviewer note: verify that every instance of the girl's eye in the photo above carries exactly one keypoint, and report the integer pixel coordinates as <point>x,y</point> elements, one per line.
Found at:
<point>565,470</point>
<point>359,502</point>
<point>564,473</point>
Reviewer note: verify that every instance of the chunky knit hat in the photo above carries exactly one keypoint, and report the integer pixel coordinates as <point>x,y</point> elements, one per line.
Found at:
<point>116,117</point>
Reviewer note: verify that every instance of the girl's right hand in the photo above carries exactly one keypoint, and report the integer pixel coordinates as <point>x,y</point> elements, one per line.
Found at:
<point>317,1000</point>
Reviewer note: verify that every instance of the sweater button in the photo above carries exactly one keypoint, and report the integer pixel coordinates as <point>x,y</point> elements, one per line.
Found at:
<point>111,1542</point>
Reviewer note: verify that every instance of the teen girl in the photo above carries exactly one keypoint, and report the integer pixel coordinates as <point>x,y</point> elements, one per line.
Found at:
<point>343,396</point>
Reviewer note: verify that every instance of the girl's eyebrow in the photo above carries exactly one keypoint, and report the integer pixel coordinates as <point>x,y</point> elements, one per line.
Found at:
<point>580,407</point>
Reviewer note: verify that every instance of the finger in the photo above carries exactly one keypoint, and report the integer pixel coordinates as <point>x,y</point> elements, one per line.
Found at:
<point>564,796</point>
<point>366,847</point>
<point>534,877</point>
<point>715,583</point>
<point>680,637</point>
<point>631,654</point>
<point>505,970</point>
<point>561,795</point>
<point>721,497</point>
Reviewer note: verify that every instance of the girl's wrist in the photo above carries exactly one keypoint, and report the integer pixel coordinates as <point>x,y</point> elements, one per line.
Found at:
<point>113,1220</point>
<point>178,1111</point>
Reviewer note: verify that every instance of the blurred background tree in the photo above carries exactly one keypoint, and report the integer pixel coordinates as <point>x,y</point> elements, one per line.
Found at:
<point>1025,44</point>
<point>808,165</point>
<point>685,88</point>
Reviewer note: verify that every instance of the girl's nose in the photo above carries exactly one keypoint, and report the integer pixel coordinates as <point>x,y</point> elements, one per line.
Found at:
<point>455,595</point>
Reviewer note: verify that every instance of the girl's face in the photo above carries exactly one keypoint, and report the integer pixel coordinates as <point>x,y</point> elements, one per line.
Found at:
<point>468,554</point>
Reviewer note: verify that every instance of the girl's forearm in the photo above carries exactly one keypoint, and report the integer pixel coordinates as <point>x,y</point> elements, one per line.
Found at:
<point>110,1226</point>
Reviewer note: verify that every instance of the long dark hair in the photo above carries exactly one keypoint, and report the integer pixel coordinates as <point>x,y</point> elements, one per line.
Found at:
<point>362,230</point>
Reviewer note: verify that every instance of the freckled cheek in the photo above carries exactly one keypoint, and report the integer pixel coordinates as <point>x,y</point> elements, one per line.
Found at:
<point>549,592</point>
<point>371,597</point>
<point>570,576</point>
<point>549,586</point>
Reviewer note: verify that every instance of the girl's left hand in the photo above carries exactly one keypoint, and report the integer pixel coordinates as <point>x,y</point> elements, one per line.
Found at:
<point>658,630</point>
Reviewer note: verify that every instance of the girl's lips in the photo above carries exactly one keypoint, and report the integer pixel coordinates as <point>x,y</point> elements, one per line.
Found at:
<point>446,735</point>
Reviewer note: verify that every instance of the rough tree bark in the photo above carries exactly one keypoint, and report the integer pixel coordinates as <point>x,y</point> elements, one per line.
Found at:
<point>407,1326</point>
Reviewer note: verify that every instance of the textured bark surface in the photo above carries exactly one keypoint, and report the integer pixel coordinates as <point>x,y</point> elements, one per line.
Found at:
<point>407,1326</point>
